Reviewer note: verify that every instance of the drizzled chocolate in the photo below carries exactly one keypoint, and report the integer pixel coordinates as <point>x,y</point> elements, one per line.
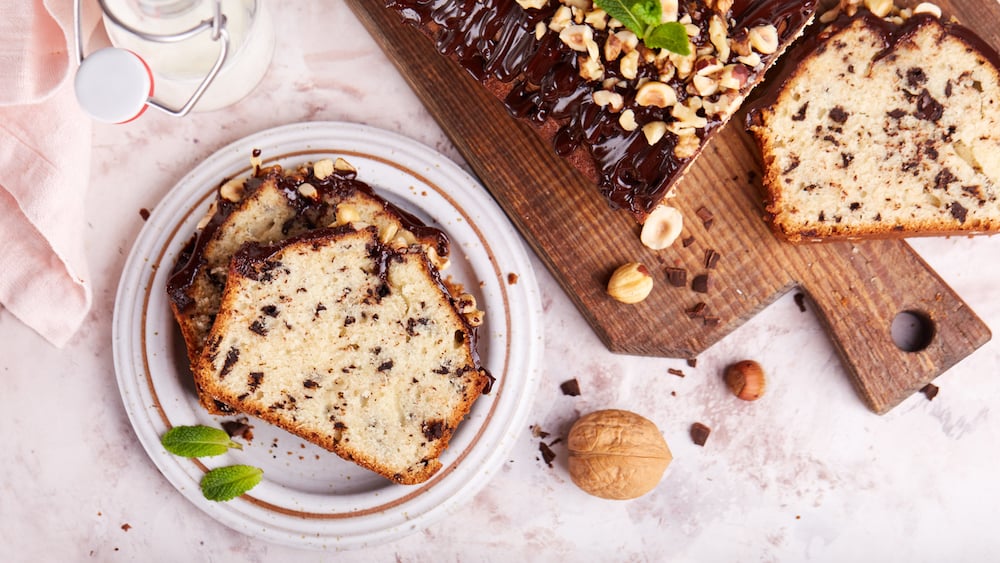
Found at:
<point>539,81</point>
<point>309,214</point>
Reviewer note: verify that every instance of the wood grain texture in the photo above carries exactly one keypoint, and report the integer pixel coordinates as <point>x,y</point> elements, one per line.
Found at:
<point>858,288</point>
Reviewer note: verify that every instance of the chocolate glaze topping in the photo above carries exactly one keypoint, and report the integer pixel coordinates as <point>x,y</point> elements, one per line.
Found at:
<point>308,212</point>
<point>494,40</point>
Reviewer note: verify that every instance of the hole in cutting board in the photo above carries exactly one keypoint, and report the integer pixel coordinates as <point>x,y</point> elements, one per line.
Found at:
<point>912,331</point>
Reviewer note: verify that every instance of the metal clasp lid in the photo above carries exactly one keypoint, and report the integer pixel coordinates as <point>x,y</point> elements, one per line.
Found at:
<point>115,85</point>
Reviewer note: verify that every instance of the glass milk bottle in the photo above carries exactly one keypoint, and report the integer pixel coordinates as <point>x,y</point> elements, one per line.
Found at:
<point>178,66</point>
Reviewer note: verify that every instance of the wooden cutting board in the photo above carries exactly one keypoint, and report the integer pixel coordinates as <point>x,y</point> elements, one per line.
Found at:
<point>858,289</point>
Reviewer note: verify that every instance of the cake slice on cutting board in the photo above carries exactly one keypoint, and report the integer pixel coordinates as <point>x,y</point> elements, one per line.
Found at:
<point>883,129</point>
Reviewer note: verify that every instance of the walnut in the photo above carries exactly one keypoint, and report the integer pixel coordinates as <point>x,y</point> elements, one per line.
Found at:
<point>616,454</point>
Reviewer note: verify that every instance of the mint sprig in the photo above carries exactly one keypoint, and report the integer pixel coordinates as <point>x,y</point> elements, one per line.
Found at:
<point>227,483</point>
<point>198,441</point>
<point>221,483</point>
<point>643,18</point>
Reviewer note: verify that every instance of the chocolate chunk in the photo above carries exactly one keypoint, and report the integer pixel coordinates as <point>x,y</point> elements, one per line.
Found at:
<point>570,387</point>
<point>696,311</point>
<point>792,165</point>
<point>855,206</point>
<point>254,380</point>
<point>706,216</point>
<point>801,114</point>
<point>800,300</point>
<point>846,158</point>
<point>943,178</point>
<point>712,320</point>
<point>310,384</point>
<point>547,454</point>
<point>144,213</point>
<point>511,278</point>
<point>701,283</point>
<point>692,362</point>
<point>916,77</point>
<point>686,242</point>
<point>897,113</point>
<point>232,356</point>
<point>238,428</point>
<point>269,310</point>
<point>433,430</point>
<point>711,258</point>
<point>699,433</point>
<point>958,211</point>
<point>677,372</point>
<point>928,108</point>
<point>676,277</point>
<point>839,115</point>
<point>385,366</point>
<point>930,391</point>
<point>258,327</point>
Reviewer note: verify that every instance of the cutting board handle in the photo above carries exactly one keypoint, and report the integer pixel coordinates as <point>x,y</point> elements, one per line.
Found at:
<point>887,283</point>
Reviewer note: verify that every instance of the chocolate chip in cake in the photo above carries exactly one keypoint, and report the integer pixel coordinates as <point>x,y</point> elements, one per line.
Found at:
<point>958,211</point>
<point>232,356</point>
<point>433,430</point>
<point>839,115</point>
<point>269,310</point>
<point>930,391</point>
<point>692,362</point>
<point>916,77</point>
<point>801,114</point>
<point>699,433</point>
<point>570,387</point>
<point>928,108</point>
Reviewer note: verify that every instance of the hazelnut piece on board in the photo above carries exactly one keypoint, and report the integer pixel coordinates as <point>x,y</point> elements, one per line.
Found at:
<point>616,454</point>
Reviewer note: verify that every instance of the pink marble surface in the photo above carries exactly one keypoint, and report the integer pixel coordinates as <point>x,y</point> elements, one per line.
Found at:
<point>805,474</point>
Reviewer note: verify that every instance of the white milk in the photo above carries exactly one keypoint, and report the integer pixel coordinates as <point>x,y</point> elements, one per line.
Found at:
<point>179,67</point>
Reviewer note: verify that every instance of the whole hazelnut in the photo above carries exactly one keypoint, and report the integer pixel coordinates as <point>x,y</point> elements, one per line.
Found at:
<point>630,283</point>
<point>745,379</point>
<point>616,454</point>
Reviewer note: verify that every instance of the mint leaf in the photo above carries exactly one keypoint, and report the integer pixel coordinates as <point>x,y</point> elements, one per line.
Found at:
<point>622,10</point>
<point>648,12</point>
<point>226,483</point>
<point>671,36</point>
<point>197,441</point>
<point>642,17</point>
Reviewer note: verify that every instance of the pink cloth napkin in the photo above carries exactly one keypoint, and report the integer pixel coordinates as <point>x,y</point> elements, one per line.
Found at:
<point>45,143</point>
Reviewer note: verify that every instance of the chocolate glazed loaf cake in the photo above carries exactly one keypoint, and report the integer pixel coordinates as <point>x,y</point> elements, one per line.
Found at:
<point>630,118</point>
<point>884,128</point>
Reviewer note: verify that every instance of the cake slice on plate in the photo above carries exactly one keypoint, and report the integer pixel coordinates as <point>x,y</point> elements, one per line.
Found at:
<point>350,343</point>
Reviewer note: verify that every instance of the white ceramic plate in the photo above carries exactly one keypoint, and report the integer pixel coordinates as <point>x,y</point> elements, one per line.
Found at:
<point>310,497</point>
